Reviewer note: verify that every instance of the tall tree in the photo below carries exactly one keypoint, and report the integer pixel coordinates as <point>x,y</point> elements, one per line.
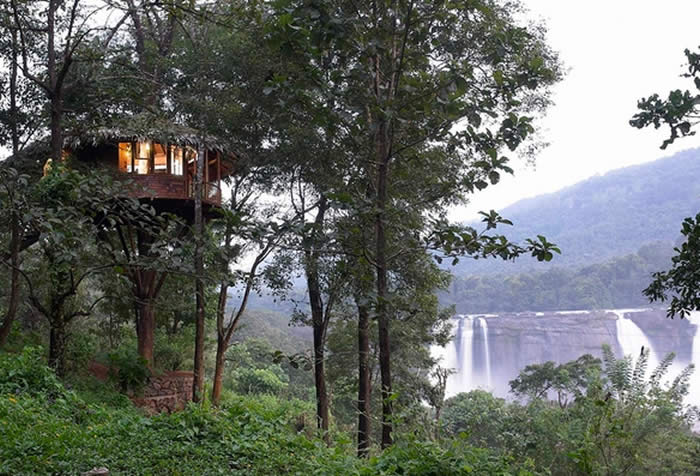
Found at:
<point>50,36</point>
<point>453,84</point>
<point>13,197</point>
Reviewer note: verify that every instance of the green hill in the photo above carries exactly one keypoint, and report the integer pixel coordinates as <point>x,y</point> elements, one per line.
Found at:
<point>605,216</point>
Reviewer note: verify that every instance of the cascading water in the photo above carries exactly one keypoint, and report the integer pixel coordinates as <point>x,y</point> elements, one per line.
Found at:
<point>632,338</point>
<point>487,355</point>
<point>531,338</point>
<point>457,356</point>
<point>465,374</point>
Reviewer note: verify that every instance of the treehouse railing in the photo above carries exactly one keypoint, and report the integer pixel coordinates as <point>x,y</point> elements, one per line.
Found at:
<point>211,192</point>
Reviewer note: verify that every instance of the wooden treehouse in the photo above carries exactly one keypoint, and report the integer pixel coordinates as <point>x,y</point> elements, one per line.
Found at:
<point>158,165</point>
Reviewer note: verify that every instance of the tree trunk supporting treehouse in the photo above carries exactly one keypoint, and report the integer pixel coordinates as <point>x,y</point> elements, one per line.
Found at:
<point>146,286</point>
<point>198,383</point>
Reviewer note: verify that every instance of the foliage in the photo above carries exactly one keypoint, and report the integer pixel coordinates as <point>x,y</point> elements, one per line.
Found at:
<point>621,421</point>
<point>174,350</point>
<point>568,380</point>
<point>257,381</point>
<point>247,436</point>
<point>613,284</point>
<point>26,373</point>
<point>129,370</point>
<point>479,416</point>
<point>680,113</point>
<point>680,282</point>
<point>415,457</point>
<point>80,350</point>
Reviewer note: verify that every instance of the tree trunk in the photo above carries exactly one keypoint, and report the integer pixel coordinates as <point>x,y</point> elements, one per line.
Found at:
<point>13,299</point>
<point>218,371</point>
<point>56,128</point>
<point>382,287</point>
<point>318,317</point>
<point>145,328</point>
<point>365,388</point>
<point>55,88</point>
<point>57,345</point>
<point>14,93</point>
<point>198,383</point>
<point>320,383</point>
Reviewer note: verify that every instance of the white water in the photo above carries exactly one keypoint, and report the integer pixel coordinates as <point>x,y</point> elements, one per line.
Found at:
<point>466,353</point>
<point>632,339</point>
<point>487,356</point>
<point>463,353</point>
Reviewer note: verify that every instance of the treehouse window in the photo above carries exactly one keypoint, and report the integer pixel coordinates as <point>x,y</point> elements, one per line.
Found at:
<point>160,159</point>
<point>176,160</point>
<point>143,158</point>
<point>125,156</point>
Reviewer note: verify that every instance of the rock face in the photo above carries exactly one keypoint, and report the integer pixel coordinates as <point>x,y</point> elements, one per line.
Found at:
<point>516,340</point>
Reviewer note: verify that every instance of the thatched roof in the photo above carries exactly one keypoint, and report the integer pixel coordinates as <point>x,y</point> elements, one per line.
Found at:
<point>143,127</point>
<point>31,159</point>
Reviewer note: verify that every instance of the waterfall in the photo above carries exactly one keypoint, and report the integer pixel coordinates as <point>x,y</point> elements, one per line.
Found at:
<point>457,356</point>
<point>466,365</point>
<point>487,355</point>
<point>632,338</point>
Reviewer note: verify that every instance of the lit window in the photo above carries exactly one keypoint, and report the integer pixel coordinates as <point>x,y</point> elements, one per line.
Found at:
<point>125,157</point>
<point>143,158</point>
<point>160,159</point>
<point>176,160</point>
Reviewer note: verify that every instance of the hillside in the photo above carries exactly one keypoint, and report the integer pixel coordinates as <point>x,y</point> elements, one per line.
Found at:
<point>605,216</point>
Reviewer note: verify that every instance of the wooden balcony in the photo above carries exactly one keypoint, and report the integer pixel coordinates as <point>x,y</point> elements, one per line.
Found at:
<point>171,187</point>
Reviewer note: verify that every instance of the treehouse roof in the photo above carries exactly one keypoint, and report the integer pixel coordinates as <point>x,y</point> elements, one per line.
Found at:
<point>144,127</point>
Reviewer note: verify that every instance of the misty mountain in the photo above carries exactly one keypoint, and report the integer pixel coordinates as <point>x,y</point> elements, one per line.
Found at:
<point>604,216</point>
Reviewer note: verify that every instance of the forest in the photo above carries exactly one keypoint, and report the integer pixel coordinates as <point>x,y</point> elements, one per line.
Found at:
<point>168,164</point>
<point>613,284</point>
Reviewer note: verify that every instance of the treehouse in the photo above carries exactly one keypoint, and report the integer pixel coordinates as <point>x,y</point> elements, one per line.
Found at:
<point>158,165</point>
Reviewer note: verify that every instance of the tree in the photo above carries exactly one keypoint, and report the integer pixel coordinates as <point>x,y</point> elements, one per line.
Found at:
<point>69,212</point>
<point>680,112</point>
<point>13,197</point>
<point>567,380</point>
<point>403,76</point>
<point>244,230</point>
<point>50,41</point>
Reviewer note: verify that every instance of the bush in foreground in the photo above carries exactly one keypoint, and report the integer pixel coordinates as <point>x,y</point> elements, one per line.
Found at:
<point>46,429</point>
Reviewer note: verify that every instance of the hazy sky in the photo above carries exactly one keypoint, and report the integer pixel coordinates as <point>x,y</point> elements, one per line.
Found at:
<point>617,51</point>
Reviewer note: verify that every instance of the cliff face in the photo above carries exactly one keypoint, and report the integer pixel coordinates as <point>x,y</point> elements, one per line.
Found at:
<point>489,351</point>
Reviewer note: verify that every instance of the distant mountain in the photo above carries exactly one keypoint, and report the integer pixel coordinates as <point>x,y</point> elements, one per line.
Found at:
<point>605,216</point>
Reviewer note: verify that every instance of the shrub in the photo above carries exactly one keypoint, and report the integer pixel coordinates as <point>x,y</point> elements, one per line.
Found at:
<point>129,370</point>
<point>27,373</point>
<point>257,381</point>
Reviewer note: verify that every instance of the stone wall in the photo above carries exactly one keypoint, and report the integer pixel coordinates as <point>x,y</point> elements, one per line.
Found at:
<point>168,392</point>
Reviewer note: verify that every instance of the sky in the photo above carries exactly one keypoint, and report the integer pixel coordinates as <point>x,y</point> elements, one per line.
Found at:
<point>616,52</point>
